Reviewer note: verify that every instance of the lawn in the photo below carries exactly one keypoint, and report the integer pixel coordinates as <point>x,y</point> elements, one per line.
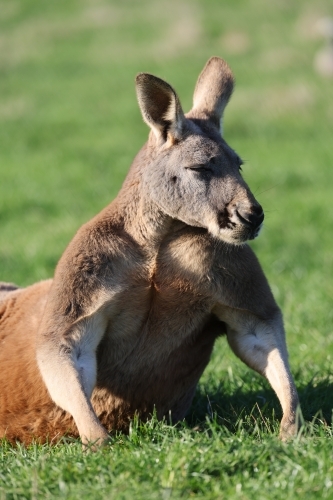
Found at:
<point>69,129</point>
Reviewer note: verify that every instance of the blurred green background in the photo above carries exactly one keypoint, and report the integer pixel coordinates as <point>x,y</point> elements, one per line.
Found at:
<point>69,129</point>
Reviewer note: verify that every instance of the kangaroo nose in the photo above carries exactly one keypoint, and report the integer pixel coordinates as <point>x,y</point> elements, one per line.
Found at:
<point>253,217</point>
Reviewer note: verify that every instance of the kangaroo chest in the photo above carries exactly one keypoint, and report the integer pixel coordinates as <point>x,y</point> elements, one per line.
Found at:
<point>161,306</point>
<point>155,318</point>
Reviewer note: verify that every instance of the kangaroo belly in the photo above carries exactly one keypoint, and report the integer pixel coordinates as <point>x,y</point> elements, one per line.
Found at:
<point>156,376</point>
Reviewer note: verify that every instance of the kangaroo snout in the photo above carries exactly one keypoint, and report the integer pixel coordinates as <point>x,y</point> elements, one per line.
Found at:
<point>243,221</point>
<point>251,216</point>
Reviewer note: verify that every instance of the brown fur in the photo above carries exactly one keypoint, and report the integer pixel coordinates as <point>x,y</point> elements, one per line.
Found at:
<point>142,292</point>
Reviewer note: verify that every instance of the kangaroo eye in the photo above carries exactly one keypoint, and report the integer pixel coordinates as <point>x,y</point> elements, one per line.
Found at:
<point>200,168</point>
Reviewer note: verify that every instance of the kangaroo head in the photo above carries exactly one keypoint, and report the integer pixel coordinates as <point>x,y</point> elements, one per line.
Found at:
<point>191,173</point>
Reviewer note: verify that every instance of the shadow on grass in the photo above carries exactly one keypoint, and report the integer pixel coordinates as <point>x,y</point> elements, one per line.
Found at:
<point>316,397</point>
<point>261,407</point>
<point>241,407</point>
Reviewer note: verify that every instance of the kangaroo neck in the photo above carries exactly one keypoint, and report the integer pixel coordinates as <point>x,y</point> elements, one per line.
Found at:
<point>141,217</point>
<point>144,220</point>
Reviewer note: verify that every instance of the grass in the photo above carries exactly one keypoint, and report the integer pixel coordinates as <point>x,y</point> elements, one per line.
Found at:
<point>69,128</point>
<point>157,461</point>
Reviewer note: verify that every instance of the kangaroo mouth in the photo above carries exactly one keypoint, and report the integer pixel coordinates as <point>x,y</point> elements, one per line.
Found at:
<point>234,232</point>
<point>238,227</point>
<point>256,232</point>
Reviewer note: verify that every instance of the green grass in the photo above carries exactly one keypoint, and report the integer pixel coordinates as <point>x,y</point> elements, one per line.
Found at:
<point>69,128</point>
<point>157,461</point>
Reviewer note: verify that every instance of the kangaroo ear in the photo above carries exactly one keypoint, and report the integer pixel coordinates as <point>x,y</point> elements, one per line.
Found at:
<point>212,92</point>
<point>160,107</point>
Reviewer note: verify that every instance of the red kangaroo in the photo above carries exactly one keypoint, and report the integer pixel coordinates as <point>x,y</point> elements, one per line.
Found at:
<point>129,321</point>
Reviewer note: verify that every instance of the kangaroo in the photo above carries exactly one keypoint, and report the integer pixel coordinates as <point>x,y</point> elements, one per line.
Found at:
<point>142,292</point>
